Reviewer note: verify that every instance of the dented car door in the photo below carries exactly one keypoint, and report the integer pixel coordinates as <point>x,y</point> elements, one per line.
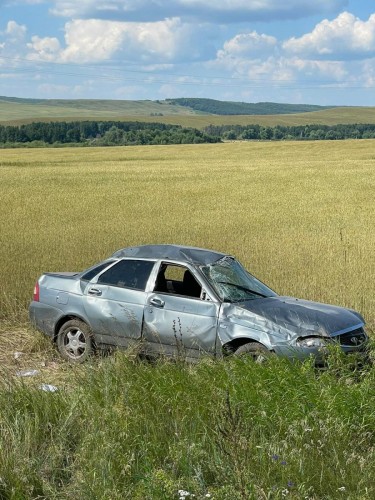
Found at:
<point>114,301</point>
<point>180,315</point>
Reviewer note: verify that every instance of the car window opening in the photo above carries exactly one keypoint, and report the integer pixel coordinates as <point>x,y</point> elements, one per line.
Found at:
<point>177,280</point>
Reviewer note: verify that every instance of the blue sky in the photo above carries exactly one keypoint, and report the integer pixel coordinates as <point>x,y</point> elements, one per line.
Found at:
<point>296,51</point>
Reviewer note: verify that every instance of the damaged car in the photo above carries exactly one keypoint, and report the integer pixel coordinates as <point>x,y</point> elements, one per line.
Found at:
<point>177,300</point>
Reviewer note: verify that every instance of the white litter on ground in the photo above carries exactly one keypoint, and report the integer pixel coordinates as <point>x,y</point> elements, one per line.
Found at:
<point>27,373</point>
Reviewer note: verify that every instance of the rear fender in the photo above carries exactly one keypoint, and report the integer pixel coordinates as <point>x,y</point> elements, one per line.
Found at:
<point>65,319</point>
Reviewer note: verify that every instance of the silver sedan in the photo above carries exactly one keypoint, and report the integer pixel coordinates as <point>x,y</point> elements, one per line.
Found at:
<point>177,300</point>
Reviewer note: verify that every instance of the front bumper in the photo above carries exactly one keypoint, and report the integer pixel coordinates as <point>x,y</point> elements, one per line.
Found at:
<point>353,342</point>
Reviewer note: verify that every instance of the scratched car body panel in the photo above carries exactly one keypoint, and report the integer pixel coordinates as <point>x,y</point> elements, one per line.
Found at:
<point>188,301</point>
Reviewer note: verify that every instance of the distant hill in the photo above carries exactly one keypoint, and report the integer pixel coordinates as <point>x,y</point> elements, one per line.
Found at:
<point>212,106</point>
<point>13,108</point>
<point>196,113</point>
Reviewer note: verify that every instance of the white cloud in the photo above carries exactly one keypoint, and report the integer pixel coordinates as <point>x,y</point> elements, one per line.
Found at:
<point>45,49</point>
<point>15,31</point>
<point>99,40</point>
<point>367,71</point>
<point>22,2</point>
<point>260,5</point>
<point>251,45</point>
<point>13,46</point>
<point>316,71</point>
<point>205,10</point>
<point>140,49</point>
<point>259,60</point>
<point>92,40</point>
<point>344,37</point>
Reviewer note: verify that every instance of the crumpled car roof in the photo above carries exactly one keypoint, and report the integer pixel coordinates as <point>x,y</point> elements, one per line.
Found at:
<point>194,255</point>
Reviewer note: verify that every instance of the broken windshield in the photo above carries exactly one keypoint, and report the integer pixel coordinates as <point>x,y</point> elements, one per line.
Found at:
<point>233,283</point>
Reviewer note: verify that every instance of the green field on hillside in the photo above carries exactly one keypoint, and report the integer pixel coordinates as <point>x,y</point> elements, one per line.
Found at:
<point>213,106</point>
<point>147,107</point>
<point>326,117</point>
<point>20,111</point>
<point>79,109</point>
<point>300,216</point>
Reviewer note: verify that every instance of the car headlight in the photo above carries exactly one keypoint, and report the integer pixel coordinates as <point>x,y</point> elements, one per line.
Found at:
<point>312,342</point>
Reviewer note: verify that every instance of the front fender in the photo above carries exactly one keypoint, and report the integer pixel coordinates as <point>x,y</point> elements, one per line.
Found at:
<point>270,335</point>
<point>227,332</point>
<point>239,323</point>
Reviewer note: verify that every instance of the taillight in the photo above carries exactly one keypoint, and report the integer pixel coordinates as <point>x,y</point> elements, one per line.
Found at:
<point>36,292</point>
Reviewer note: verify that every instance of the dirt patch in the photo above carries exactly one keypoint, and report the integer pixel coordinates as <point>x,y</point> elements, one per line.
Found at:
<point>27,353</point>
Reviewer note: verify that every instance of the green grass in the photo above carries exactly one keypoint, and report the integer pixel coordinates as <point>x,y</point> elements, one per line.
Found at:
<point>232,430</point>
<point>299,215</point>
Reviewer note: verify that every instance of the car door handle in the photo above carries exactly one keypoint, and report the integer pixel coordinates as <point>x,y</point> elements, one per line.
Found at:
<point>157,302</point>
<point>95,291</point>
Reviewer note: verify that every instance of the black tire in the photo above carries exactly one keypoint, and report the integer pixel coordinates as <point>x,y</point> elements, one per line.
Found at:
<point>75,341</point>
<point>253,350</point>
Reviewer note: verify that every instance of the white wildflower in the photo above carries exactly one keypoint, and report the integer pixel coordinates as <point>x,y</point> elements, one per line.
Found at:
<point>182,494</point>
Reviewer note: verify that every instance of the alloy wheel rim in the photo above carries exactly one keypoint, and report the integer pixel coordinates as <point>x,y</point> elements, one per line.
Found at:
<point>75,343</point>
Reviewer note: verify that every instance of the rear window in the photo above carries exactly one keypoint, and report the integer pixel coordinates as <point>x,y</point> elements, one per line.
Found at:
<point>128,274</point>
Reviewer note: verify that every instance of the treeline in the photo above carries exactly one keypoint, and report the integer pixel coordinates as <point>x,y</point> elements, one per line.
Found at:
<point>93,133</point>
<point>115,133</point>
<point>212,106</point>
<point>300,132</point>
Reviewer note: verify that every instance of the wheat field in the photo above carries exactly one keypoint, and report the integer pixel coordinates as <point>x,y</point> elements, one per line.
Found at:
<point>300,216</point>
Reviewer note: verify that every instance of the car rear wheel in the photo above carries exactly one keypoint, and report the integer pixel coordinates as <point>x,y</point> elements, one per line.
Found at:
<point>253,350</point>
<point>74,341</point>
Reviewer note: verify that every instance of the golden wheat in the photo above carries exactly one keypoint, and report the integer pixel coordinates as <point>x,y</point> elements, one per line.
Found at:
<point>299,215</point>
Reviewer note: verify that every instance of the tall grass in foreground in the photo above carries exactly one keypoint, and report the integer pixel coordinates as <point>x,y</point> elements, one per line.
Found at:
<point>232,430</point>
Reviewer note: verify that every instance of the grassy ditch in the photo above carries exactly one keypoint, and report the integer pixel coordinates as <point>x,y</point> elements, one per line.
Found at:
<point>119,428</point>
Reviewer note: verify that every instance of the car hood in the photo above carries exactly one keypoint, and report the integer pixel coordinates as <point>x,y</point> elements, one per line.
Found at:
<point>303,317</point>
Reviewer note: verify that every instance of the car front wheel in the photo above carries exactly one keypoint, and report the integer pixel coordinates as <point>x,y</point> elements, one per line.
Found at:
<point>253,350</point>
<point>74,341</point>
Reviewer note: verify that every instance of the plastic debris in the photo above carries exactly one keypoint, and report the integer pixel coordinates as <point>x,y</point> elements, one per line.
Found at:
<point>27,373</point>
<point>48,388</point>
<point>17,354</point>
